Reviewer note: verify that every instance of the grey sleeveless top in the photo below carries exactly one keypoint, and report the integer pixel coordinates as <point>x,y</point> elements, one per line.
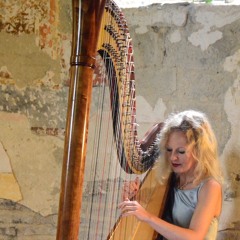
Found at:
<point>185,202</point>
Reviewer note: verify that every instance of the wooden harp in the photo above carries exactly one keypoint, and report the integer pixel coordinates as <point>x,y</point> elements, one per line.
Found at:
<point>99,27</point>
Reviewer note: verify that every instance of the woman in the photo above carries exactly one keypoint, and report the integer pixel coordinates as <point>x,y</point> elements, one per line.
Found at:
<point>195,198</point>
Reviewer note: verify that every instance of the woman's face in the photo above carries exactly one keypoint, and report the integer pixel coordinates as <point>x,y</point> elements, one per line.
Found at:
<point>179,154</point>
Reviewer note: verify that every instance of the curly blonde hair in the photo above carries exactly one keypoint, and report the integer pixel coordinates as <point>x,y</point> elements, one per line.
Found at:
<point>201,139</point>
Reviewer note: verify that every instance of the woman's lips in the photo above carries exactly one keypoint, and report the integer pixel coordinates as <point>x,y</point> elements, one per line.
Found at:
<point>176,164</point>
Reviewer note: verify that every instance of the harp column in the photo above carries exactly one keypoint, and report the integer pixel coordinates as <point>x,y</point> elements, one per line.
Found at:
<point>87,15</point>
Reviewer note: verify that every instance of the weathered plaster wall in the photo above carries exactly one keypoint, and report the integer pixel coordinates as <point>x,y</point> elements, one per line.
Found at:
<point>186,56</point>
<point>35,50</point>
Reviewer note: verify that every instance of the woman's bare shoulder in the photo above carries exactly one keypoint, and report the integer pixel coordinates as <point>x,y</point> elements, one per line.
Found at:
<point>210,183</point>
<point>210,196</point>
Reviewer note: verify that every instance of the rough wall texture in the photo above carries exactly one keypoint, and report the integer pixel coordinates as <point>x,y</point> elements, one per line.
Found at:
<point>186,56</point>
<point>34,64</point>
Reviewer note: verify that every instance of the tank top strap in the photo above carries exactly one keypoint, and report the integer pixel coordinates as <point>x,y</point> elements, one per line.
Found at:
<point>201,184</point>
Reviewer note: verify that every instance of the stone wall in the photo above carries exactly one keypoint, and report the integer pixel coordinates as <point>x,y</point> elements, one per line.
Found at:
<point>35,45</point>
<point>186,56</point>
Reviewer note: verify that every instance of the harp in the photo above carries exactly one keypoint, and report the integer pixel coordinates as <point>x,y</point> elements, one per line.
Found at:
<point>100,31</point>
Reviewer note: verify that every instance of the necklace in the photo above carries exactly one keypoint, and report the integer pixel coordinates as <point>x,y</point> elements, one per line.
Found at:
<point>184,185</point>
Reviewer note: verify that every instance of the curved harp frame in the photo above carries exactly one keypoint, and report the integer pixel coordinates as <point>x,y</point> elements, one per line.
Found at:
<point>135,156</point>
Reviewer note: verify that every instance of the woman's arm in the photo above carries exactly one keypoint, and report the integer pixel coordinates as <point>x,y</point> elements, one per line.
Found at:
<point>208,207</point>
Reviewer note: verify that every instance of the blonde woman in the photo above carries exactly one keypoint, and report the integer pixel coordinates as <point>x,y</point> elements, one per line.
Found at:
<point>189,149</point>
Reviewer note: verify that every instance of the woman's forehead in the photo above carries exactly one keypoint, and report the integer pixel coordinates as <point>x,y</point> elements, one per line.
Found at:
<point>177,138</point>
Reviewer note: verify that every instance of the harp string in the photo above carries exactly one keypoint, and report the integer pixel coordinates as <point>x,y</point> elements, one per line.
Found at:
<point>108,164</point>
<point>127,107</point>
<point>106,170</point>
<point>114,188</point>
<point>94,169</point>
<point>81,186</point>
<point>106,174</point>
<point>101,125</point>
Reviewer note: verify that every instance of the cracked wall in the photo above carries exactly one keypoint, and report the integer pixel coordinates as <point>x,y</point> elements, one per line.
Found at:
<point>186,56</point>
<point>35,46</point>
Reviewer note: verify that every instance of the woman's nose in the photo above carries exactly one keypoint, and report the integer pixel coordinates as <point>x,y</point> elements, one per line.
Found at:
<point>173,156</point>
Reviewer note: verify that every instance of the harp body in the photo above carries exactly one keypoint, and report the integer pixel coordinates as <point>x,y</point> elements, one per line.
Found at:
<point>154,196</point>
<point>92,34</point>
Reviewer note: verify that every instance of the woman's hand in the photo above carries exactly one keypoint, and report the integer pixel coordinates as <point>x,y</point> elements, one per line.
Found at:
<point>133,208</point>
<point>130,189</point>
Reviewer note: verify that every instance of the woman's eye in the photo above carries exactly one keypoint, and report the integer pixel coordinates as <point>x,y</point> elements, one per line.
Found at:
<point>168,149</point>
<point>181,151</point>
